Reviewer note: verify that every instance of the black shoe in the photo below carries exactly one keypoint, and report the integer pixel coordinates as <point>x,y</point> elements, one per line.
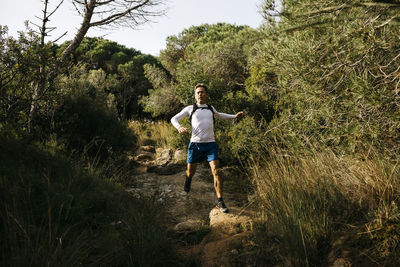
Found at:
<point>187,185</point>
<point>221,206</point>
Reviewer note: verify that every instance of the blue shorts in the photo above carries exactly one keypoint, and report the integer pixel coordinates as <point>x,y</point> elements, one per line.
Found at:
<point>201,151</point>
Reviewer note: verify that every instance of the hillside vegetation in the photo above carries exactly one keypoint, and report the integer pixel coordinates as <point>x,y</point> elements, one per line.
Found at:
<point>320,141</point>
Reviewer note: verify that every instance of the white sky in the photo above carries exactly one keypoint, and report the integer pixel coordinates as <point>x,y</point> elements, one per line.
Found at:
<point>151,37</point>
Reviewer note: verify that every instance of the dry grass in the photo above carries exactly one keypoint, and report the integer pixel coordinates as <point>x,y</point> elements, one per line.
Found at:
<point>152,133</point>
<point>306,198</point>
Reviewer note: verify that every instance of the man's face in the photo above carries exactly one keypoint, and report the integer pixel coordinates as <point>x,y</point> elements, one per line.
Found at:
<point>201,95</point>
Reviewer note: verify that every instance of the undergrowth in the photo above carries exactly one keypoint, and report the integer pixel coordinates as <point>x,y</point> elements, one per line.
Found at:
<point>54,213</point>
<point>309,199</point>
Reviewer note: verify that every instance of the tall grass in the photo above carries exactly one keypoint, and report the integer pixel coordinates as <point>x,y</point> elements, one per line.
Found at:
<point>310,198</point>
<point>152,133</point>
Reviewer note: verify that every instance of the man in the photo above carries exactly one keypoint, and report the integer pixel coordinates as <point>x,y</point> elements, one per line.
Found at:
<point>202,143</point>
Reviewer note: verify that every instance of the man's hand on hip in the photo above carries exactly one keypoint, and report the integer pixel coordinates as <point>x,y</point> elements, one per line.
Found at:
<point>183,130</point>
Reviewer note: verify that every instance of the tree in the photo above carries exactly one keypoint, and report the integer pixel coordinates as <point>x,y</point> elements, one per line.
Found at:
<point>133,85</point>
<point>334,70</point>
<point>111,13</point>
<point>39,85</point>
<point>214,54</point>
<point>99,53</point>
<point>161,100</point>
<point>95,13</point>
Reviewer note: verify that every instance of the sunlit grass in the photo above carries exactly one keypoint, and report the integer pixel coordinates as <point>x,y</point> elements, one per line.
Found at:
<point>152,133</point>
<point>308,198</point>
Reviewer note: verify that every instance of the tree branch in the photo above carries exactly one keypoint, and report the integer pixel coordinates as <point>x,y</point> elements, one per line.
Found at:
<point>114,12</point>
<point>117,16</point>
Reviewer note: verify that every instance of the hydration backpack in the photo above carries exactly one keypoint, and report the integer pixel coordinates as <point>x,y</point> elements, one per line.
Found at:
<point>195,107</point>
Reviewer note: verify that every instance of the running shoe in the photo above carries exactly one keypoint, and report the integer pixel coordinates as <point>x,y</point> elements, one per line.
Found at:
<point>187,185</point>
<point>221,206</point>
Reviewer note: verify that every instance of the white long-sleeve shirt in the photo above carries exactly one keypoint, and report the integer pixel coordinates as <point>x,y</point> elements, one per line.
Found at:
<point>202,122</point>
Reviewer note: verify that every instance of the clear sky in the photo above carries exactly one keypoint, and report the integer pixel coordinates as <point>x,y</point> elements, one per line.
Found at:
<point>151,37</point>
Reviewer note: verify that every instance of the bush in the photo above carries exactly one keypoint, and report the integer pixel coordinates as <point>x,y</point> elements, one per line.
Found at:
<point>54,214</point>
<point>246,140</point>
<point>87,127</point>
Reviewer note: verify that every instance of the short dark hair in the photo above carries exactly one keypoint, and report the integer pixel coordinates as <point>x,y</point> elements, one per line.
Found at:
<point>200,85</point>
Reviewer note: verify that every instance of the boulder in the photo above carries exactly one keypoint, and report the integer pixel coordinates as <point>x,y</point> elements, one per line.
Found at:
<point>164,156</point>
<point>179,157</point>
<point>236,221</point>
<point>188,226</point>
<point>144,154</point>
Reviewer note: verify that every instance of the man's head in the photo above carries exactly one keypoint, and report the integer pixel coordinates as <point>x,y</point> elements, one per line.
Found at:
<point>200,93</point>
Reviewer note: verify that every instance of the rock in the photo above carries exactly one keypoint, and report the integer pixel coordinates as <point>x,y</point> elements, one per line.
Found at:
<point>179,157</point>
<point>164,156</point>
<point>236,221</point>
<point>145,156</point>
<point>188,226</point>
<point>150,149</point>
<point>224,252</point>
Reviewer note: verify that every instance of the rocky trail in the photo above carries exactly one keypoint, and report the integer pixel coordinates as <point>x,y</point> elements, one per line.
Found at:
<point>202,232</point>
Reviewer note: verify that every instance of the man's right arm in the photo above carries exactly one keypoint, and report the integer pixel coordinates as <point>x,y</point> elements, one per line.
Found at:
<point>175,120</point>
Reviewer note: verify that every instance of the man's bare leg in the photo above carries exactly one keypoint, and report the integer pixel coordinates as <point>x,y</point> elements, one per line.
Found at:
<point>217,177</point>
<point>218,185</point>
<point>190,171</point>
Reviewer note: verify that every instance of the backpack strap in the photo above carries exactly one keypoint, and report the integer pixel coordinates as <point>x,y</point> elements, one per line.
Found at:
<point>191,114</point>
<point>195,107</point>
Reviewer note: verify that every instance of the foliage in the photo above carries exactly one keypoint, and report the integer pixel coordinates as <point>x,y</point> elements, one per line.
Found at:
<point>86,122</point>
<point>241,140</point>
<point>333,69</point>
<point>328,67</point>
<point>123,66</point>
<point>218,59</point>
<point>213,54</point>
<point>133,85</point>
<point>53,213</point>
<point>23,64</point>
<point>101,53</point>
<point>161,101</point>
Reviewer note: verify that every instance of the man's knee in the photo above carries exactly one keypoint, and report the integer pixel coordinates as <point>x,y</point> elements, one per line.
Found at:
<point>216,172</point>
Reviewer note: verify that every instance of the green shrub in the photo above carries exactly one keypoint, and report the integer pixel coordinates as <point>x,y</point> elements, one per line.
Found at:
<point>87,127</point>
<point>239,139</point>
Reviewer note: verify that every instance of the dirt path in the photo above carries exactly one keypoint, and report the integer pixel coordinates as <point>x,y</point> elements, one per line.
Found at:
<point>203,233</point>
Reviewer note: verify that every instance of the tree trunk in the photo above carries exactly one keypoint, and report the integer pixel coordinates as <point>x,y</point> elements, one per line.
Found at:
<point>81,32</point>
<point>37,85</point>
<point>32,110</point>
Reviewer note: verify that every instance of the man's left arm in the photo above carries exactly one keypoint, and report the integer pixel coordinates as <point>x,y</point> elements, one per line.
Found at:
<point>239,114</point>
<point>224,116</point>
